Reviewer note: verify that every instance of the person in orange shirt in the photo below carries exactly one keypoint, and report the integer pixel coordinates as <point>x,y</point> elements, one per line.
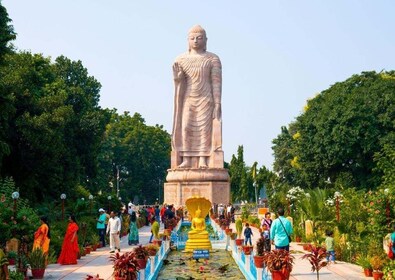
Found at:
<point>42,236</point>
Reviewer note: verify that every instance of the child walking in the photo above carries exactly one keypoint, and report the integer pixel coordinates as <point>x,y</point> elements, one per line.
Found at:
<point>247,234</point>
<point>266,236</point>
<point>330,247</point>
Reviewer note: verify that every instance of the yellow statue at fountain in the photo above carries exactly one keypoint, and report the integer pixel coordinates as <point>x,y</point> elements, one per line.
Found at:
<point>198,208</point>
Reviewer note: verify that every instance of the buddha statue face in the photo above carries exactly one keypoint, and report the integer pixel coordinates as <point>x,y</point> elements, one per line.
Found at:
<point>198,213</point>
<point>197,39</point>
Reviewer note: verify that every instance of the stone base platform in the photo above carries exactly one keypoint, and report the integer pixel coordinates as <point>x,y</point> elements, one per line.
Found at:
<point>178,192</point>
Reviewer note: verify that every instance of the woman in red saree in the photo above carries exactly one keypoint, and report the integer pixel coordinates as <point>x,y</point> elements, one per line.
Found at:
<point>42,236</point>
<point>70,244</point>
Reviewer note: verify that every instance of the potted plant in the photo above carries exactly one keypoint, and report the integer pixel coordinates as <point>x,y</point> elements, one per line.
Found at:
<point>81,253</point>
<point>260,251</point>
<point>233,236</point>
<point>298,232</point>
<point>317,259</point>
<point>11,255</point>
<point>247,249</point>
<point>364,262</point>
<point>125,266</point>
<point>170,224</point>
<point>239,229</point>
<point>91,277</point>
<point>141,255</point>
<point>95,239</point>
<point>37,262</point>
<point>224,223</point>
<point>377,265</point>
<point>279,263</point>
<point>152,249</point>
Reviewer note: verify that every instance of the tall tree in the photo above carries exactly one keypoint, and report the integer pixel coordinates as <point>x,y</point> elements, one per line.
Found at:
<point>53,143</point>
<point>140,152</point>
<point>7,33</point>
<point>241,181</point>
<point>7,109</point>
<point>341,130</point>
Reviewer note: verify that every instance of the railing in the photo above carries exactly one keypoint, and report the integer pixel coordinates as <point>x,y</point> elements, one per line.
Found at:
<point>246,263</point>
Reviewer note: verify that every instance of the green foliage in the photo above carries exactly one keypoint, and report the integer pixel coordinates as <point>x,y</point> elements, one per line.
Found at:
<point>313,207</point>
<point>364,262</point>
<point>338,135</point>
<point>7,33</point>
<point>37,259</point>
<point>254,220</point>
<point>15,275</point>
<point>57,127</point>
<point>245,212</point>
<point>239,227</point>
<point>140,152</point>
<point>25,220</point>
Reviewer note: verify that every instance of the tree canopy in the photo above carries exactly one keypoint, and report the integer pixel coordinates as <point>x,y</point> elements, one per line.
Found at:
<point>333,143</point>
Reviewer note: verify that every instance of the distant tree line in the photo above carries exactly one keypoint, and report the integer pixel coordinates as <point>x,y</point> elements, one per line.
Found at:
<point>55,138</point>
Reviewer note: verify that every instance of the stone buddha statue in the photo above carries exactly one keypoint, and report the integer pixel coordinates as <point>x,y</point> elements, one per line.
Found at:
<point>197,126</point>
<point>198,237</point>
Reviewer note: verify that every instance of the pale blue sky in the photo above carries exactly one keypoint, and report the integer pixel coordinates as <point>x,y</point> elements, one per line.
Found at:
<point>275,54</point>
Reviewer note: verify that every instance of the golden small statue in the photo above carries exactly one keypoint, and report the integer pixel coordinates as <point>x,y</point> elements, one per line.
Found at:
<point>198,207</point>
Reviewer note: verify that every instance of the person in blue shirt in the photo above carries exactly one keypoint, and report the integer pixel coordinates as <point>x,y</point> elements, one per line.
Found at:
<point>393,240</point>
<point>101,226</point>
<point>247,234</point>
<point>280,231</point>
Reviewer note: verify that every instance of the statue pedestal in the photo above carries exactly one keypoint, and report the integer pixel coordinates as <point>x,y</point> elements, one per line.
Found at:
<point>197,244</point>
<point>211,183</point>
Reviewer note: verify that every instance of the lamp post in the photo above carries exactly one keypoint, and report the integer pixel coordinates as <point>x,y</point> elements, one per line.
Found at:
<point>256,194</point>
<point>15,196</point>
<point>117,181</point>
<point>62,197</point>
<point>337,196</point>
<point>387,207</point>
<point>109,203</point>
<point>91,201</point>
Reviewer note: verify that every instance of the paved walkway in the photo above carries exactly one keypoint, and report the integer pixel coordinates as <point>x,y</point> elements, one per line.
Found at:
<point>95,263</point>
<point>98,263</point>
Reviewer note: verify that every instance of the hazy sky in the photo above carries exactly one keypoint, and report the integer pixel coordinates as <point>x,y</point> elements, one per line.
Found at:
<point>275,54</point>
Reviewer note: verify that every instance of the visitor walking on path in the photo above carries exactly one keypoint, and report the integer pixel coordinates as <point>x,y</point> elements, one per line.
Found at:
<point>281,231</point>
<point>42,236</point>
<point>247,234</point>
<point>114,228</point>
<point>101,226</point>
<point>266,224</point>
<point>392,244</point>
<point>154,229</point>
<point>330,246</point>
<point>70,247</point>
<point>133,238</point>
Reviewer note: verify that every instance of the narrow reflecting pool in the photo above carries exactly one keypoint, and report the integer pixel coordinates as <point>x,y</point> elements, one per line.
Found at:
<point>180,266</point>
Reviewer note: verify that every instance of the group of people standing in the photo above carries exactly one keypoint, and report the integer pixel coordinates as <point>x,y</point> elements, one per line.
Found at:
<point>277,232</point>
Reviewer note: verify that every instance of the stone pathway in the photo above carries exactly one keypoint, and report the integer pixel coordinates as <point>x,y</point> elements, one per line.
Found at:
<point>98,263</point>
<point>95,263</point>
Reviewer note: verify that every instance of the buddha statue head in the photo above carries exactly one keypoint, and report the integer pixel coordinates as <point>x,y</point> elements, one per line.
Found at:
<point>198,213</point>
<point>197,39</point>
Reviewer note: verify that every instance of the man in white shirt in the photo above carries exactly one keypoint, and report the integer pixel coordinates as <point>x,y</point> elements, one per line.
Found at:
<point>113,228</point>
<point>221,211</point>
